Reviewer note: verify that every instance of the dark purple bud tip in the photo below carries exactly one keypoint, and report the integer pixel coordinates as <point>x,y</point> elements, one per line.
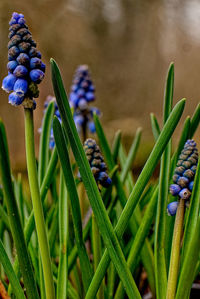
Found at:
<point>35,63</point>
<point>172,208</point>
<point>21,87</point>
<point>36,75</point>
<point>190,186</point>
<point>8,83</point>
<point>23,59</point>
<point>20,71</point>
<point>174,189</point>
<point>15,99</point>
<point>184,194</point>
<point>183,181</point>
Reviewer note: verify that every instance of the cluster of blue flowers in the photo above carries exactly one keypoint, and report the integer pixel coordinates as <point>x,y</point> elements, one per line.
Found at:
<point>81,95</point>
<point>97,164</point>
<point>184,175</point>
<point>25,67</point>
<point>57,113</point>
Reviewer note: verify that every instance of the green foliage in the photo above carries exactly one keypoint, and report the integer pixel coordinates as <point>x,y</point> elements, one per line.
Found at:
<point>99,242</point>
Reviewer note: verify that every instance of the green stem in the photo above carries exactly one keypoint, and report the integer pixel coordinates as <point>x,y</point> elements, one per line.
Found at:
<point>63,230</point>
<point>175,254</point>
<point>96,244</point>
<point>37,204</point>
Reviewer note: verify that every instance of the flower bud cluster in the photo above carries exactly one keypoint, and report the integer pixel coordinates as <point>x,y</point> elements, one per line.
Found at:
<point>81,95</point>
<point>56,112</point>
<point>184,174</point>
<point>25,67</point>
<point>97,164</point>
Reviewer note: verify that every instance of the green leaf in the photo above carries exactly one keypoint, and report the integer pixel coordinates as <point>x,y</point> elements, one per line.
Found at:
<point>137,191</point>
<point>102,218</point>
<point>17,289</point>
<point>131,155</point>
<point>159,245</point>
<point>44,142</point>
<point>86,269</point>
<point>195,121</point>
<point>155,126</point>
<point>14,218</point>
<point>116,145</point>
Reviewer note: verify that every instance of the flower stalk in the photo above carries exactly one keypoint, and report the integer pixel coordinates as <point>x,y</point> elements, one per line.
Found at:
<point>175,254</point>
<point>37,204</point>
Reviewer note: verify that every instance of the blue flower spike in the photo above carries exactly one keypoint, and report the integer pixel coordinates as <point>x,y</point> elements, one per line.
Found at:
<point>25,67</point>
<point>97,163</point>
<point>81,95</point>
<point>184,175</point>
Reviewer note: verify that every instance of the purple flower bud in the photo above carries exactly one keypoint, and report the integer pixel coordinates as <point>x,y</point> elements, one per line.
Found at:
<point>91,127</point>
<point>36,75</point>
<point>43,67</point>
<point>13,52</point>
<point>104,179</point>
<point>39,54</point>
<point>78,119</point>
<point>23,59</point>
<point>8,83</point>
<point>21,21</point>
<point>190,186</point>
<point>174,189</point>
<point>90,96</point>
<point>184,194</point>
<point>15,99</point>
<point>35,63</point>
<point>21,87</point>
<point>172,208</point>
<point>20,71</point>
<point>11,65</point>
<point>82,104</point>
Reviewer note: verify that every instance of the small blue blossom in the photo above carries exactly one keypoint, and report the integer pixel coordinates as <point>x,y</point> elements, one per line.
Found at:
<point>97,164</point>
<point>25,66</point>
<point>57,113</point>
<point>172,208</point>
<point>82,94</point>
<point>185,170</point>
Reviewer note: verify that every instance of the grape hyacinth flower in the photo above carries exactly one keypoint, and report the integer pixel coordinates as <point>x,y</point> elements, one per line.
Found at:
<point>97,164</point>
<point>184,175</point>
<point>25,67</point>
<point>81,95</point>
<point>57,113</point>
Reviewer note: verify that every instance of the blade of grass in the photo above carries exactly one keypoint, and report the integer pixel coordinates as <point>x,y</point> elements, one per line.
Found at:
<point>155,126</point>
<point>140,238</point>
<point>195,121</point>
<point>115,145</point>
<point>44,142</point>
<point>131,155</point>
<point>102,218</point>
<point>142,181</point>
<point>5,261</point>
<point>159,245</point>
<point>63,231</point>
<point>190,261</point>
<point>86,269</point>
<point>14,218</point>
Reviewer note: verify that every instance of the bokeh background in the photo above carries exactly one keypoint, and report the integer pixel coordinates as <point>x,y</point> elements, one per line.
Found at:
<point>128,45</point>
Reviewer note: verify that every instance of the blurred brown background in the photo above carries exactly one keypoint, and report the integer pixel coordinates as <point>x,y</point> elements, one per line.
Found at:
<point>128,46</point>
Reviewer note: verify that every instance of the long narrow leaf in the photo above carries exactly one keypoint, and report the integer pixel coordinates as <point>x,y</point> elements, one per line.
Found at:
<point>102,218</point>
<point>142,181</point>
